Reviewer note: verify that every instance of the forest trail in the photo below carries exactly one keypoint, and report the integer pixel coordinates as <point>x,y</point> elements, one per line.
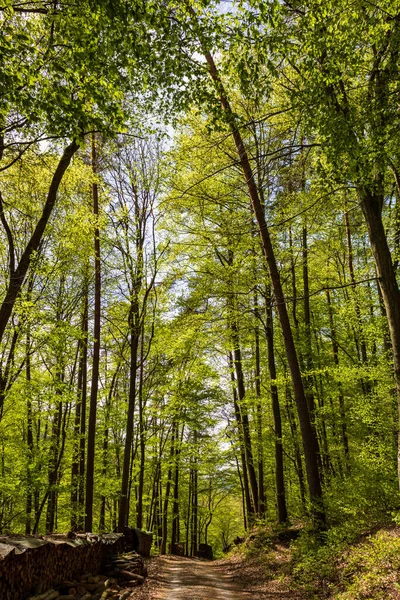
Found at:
<point>193,579</point>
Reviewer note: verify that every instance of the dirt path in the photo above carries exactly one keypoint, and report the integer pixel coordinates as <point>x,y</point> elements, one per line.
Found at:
<point>193,579</point>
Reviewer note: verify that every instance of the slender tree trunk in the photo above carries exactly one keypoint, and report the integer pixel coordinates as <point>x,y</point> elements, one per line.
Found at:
<point>156,516</point>
<point>29,491</point>
<point>350,263</point>
<point>134,342</point>
<point>164,540</point>
<point>360,338</point>
<point>142,441</point>
<point>297,454</point>
<point>76,448</point>
<point>259,411</point>
<point>293,281</point>
<point>310,442</point>
<point>195,502</point>
<point>309,362</point>
<point>237,359</point>
<point>106,434</point>
<point>91,438</point>
<point>103,499</point>
<point>189,513</point>
<point>18,276</point>
<point>131,481</point>
<point>175,507</point>
<point>151,521</point>
<point>276,412</point>
<point>159,519</point>
<point>244,502</point>
<point>78,461</point>
<point>248,508</point>
<point>55,448</point>
<point>52,474</point>
<point>342,411</point>
<point>82,437</point>
<point>307,327</point>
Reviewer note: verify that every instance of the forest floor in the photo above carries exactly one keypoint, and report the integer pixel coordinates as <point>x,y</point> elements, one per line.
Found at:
<point>233,578</point>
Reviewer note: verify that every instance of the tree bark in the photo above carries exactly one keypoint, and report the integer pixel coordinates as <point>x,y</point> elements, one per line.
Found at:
<point>106,434</point>
<point>259,411</point>
<point>296,446</point>
<point>195,502</point>
<point>245,425</point>
<point>175,535</point>
<point>142,442</point>
<point>91,438</point>
<point>310,442</point>
<point>78,460</point>
<point>360,339</point>
<point>163,548</point>
<point>18,276</point>
<point>30,444</point>
<point>276,412</point>
<point>342,410</point>
<point>372,205</point>
<point>134,342</point>
<point>82,436</point>
<point>248,508</point>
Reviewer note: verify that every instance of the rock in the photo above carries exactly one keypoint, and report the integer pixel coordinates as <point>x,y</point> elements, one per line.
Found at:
<point>81,590</point>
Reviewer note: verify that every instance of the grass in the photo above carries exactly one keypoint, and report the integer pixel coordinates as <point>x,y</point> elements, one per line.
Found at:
<point>343,564</point>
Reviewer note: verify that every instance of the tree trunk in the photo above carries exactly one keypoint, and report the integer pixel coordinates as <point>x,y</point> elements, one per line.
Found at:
<point>245,425</point>
<point>189,513</point>
<point>310,442</point>
<point>307,327</point>
<point>142,442</point>
<point>175,507</point>
<point>297,454</point>
<point>163,548</point>
<point>342,411</point>
<point>91,438</point>
<point>195,502</point>
<point>78,461</point>
<point>276,411</point>
<point>260,459</point>
<point>17,277</point>
<point>248,508</point>
<point>360,338</point>
<point>53,468</point>
<point>293,280</point>
<point>372,204</point>
<point>134,343</point>
<point>75,451</point>
<point>29,483</point>
<point>102,522</point>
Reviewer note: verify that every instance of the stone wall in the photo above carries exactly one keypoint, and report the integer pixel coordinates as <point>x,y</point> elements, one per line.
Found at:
<point>30,565</point>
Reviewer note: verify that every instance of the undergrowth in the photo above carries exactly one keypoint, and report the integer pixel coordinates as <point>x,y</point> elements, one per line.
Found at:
<point>356,558</point>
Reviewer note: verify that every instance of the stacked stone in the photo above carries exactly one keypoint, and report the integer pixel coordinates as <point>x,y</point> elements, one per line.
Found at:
<point>31,565</point>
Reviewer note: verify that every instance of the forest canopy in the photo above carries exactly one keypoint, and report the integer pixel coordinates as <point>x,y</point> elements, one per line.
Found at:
<point>199,256</point>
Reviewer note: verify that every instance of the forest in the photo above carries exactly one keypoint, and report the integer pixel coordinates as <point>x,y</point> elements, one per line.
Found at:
<point>199,267</point>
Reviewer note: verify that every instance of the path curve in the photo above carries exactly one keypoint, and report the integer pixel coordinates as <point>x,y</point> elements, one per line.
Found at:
<point>194,579</point>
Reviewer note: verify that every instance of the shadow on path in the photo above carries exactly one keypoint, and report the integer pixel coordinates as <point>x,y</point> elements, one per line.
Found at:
<point>194,579</point>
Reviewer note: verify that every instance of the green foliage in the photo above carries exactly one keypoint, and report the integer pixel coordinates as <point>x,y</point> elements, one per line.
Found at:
<point>314,92</point>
